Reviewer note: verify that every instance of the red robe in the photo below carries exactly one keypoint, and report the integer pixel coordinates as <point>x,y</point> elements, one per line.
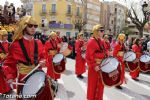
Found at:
<point>137,50</point>
<point>118,47</point>
<point>4,87</point>
<point>49,63</point>
<point>80,61</point>
<point>95,87</point>
<point>16,55</point>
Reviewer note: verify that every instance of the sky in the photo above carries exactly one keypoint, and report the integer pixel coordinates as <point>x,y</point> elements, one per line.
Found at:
<point>17,3</point>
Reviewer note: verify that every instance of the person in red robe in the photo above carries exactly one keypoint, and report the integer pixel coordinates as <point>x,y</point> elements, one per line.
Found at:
<point>118,52</point>
<point>107,44</point>
<point>80,61</point>
<point>51,50</point>
<point>137,48</point>
<point>95,52</point>
<point>25,53</point>
<point>4,87</point>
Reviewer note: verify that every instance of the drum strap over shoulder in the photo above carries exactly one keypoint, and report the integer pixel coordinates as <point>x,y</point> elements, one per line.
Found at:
<point>101,47</point>
<point>54,47</point>
<point>26,54</point>
<point>1,46</point>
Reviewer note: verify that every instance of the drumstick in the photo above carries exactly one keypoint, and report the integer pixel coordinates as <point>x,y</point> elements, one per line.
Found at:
<point>31,72</point>
<point>19,83</point>
<point>107,62</point>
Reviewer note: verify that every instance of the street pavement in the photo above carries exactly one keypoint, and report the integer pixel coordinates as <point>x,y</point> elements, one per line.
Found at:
<point>72,88</point>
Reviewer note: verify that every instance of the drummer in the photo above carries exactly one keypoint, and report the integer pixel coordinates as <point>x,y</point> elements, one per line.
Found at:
<point>80,61</point>
<point>137,48</point>
<point>107,43</point>
<point>118,52</point>
<point>3,54</point>
<point>51,50</point>
<point>95,52</point>
<point>25,53</point>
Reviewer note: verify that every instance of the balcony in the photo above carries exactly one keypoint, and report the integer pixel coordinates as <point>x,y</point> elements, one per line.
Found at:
<point>79,15</point>
<point>53,12</point>
<point>69,13</point>
<point>43,13</point>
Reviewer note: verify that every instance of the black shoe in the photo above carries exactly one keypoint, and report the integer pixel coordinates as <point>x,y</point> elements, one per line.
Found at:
<point>135,79</point>
<point>119,87</point>
<point>80,76</point>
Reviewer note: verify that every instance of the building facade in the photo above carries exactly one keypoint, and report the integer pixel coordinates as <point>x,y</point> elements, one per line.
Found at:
<point>118,15</point>
<point>92,14</point>
<point>55,15</point>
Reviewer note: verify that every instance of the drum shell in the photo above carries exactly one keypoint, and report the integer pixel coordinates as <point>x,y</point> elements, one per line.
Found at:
<point>112,78</point>
<point>59,67</point>
<point>144,67</point>
<point>108,81</point>
<point>145,63</point>
<point>41,92</point>
<point>132,66</point>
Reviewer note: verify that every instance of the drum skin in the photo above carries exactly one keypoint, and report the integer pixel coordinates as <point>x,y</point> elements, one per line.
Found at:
<point>132,66</point>
<point>144,67</point>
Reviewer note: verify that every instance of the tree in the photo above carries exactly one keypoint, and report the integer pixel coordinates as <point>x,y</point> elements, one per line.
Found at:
<point>79,24</point>
<point>139,23</point>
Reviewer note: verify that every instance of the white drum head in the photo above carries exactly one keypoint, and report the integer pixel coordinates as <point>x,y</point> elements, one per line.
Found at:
<point>64,46</point>
<point>129,56</point>
<point>34,83</point>
<point>58,58</point>
<point>109,64</point>
<point>145,58</point>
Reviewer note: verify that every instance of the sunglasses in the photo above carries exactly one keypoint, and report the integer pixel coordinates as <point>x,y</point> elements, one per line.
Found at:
<point>101,30</point>
<point>31,25</point>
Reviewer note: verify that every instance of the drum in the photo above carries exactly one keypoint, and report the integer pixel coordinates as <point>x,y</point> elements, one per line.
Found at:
<point>83,54</point>
<point>59,63</point>
<point>110,71</point>
<point>54,86</point>
<point>129,57</point>
<point>64,49</point>
<point>35,84</point>
<point>145,63</point>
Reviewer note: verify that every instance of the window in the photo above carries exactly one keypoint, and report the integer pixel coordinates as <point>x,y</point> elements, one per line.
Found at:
<point>43,7</point>
<point>69,9</point>
<point>53,7</point>
<point>78,11</point>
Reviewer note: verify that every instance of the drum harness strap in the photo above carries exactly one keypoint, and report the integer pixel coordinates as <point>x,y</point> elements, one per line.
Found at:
<point>26,54</point>
<point>54,47</point>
